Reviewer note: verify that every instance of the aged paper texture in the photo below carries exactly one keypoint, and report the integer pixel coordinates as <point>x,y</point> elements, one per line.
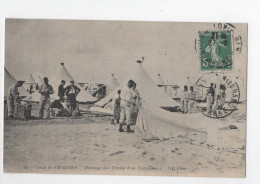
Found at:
<point>125,98</point>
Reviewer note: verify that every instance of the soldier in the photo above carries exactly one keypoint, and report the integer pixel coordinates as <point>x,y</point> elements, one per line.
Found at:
<point>116,108</point>
<point>45,90</point>
<point>61,89</point>
<point>12,98</point>
<point>137,100</point>
<point>192,100</point>
<point>185,100</point>
<point>210,97</point>
<point>126,106</point>
<point>72,91</point>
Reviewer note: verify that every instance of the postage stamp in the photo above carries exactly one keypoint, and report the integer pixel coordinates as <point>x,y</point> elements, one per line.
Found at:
<point>215,50</point>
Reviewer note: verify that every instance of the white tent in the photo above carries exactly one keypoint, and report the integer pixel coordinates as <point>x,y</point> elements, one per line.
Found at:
<point>112,84</point>
<point>30,82</point>
<point>155,122</point>
<point>160,83</point>
<point>148,90</point>
<point>159,80</point>
<point>63,74</point>
<point>10,80</point>
<point>39,81</point>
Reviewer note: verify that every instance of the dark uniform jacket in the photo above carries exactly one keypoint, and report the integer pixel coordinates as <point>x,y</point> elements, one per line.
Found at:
<point>68,88</point>
<point>61,91</point>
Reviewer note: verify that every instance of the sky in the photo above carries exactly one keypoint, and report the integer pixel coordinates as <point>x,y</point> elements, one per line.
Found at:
<point>96,49</point>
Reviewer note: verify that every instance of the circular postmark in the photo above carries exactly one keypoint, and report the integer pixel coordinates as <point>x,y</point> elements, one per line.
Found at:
<point>220,95</point>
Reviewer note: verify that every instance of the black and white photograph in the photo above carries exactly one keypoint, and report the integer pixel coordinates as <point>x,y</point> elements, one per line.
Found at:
<point>125,98</point>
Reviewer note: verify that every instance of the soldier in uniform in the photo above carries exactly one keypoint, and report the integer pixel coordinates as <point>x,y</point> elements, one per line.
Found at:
<point>45,90</point>
<point>126,106</point>
<point>192,100</point>
<point>12,98</point>
<point>210,97</point>
<point>185,100</point>
<point>72,91</point>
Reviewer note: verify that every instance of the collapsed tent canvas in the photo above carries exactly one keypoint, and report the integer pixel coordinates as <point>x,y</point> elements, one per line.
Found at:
<point>154,122</point>
<point>148,90</point>
<point>63,74</point>
<point>10,80</point>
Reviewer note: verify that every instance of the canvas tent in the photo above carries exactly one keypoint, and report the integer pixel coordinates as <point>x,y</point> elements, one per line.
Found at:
<point>159,80</point>
<point>35,97</point>
<point>148,90</point>
<point>30,84</point>
<point>63,74</point>
<point>155,122</point>
<point>10,80</point>
<point>111,84</point>
<point>107,87</point>
<point>39,81</point>
<point>160,83</point>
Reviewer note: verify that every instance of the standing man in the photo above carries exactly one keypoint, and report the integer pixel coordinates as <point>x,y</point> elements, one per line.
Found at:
<point>61,89</point>
<point>116,108</point>
<point>137,101</point>
<point>12,98</point>
<point>210,98</point>
<point>126,106</point>
<point>192,100</point>
<point>71,91</point>
<point>45,90</point>
<point>185,100</point>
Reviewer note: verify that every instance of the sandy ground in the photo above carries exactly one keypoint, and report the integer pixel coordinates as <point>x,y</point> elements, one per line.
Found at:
<point>91,145</point>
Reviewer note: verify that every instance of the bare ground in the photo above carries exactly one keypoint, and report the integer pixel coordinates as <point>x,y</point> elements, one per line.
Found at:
<point>91,145</point>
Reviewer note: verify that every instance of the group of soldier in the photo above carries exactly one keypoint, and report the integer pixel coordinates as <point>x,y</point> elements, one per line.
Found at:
<point>216,98</point>
<point>126,102</point>
<point>188,101</point>
<point>67,94</point>
<point>125,106</point>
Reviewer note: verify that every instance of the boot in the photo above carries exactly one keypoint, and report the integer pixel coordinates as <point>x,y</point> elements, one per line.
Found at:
<point>112,122</point>
<point>117,121</point>
<point>121,128</point>
<point>128,129</point>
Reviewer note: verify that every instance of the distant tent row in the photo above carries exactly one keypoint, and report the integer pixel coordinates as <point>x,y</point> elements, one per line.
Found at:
<point>170,89</point>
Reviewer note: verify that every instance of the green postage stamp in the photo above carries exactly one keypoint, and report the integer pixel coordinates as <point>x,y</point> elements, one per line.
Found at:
<point>215,50</point>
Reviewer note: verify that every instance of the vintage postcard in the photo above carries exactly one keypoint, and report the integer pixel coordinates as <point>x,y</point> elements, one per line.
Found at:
<point>125,98</point>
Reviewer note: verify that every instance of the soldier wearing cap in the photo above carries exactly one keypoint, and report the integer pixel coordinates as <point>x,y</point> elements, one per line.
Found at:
<point>71,92</point>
